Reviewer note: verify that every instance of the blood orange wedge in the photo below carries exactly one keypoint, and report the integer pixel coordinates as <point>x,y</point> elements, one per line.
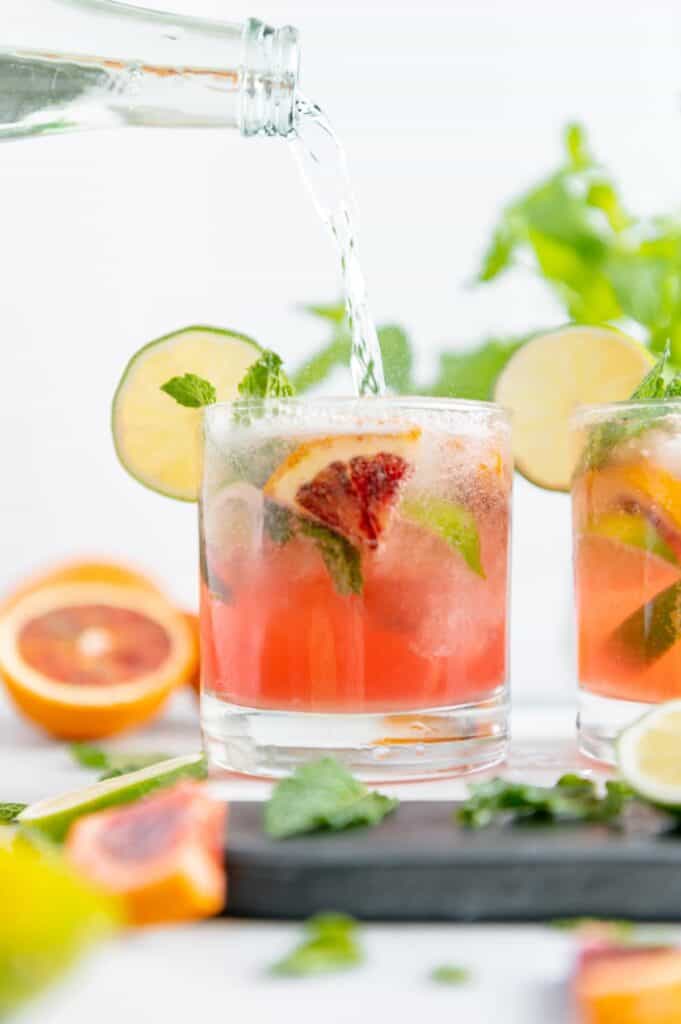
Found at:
<point>349,483</point>
<point>163,855</point>
<point>85,660</point>
<point>630,986</point>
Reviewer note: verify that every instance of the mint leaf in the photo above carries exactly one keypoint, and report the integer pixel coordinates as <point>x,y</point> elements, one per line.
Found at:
<point>322,795</point>
<point>112,763</point>
<point>10,812</point>
<point>190,391</point>
<point>279,523</point>
<point>652,385</point>
<point>450,974</point>
<point>330,945</point>
<point>320,366</point>
<point>341,558</point>
<point>449,520</point>
<point>266,378</point>
<point>573,798</point>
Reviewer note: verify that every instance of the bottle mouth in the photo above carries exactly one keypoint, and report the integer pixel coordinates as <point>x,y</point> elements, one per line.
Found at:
<point>268,79</point>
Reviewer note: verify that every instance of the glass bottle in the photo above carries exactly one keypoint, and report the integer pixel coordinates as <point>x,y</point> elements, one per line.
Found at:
<point>76,64</point>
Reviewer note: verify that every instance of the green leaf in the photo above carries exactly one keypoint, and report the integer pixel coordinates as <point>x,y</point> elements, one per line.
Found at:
<point>449,520</point>
<point>576,146</point>
<point>652,385</point>
<point>398,358</point>
<point>266,378</point>
<point>190,390</point>
<point>335,312</point>
<point>341,558</point>
<point>322,795</point>
<point>499,253</point>
<point>279,523</point>
<point>330,945</point>
<point>639,283</point>
<point>572,799</point>
<point>450,974</point>
<point>113,763</point>
<point>316,370</point>
<point>603,196</point>
<point>10,812</point>
<point>473,373</point>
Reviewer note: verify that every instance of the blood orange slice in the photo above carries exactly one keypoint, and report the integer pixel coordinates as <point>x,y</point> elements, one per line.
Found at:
<point>162,856</point>
<point>349,483</point>
<point>85,660</point>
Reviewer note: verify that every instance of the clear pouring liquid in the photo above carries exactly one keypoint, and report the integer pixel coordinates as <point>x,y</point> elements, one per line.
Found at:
<point>323,165</point>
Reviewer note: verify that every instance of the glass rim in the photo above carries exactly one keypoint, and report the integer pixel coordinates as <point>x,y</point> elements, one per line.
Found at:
<point>595,411</point>
<point>463,405</point>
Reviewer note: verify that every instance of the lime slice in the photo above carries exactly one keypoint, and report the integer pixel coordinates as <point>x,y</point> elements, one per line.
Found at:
<point>53,817</point>
<point>49,915</point>
<point>550,375</point>
<point>157,440</point>
<point>649,755</point>
<point>635,531</point>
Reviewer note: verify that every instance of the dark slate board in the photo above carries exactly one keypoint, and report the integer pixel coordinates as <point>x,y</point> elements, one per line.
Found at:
<point>418,865</point>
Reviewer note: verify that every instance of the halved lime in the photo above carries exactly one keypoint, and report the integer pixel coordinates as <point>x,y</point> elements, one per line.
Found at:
<point>54,816</point>
<point>649,755</point>
<point>157,440</point>
<point>49,915</point>
<point>550,375</point>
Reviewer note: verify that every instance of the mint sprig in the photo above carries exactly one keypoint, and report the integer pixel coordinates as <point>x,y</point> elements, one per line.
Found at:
<point>10,812</point>
<point>323,796</point>
<point>330,945</point>
<point>341,558</point>
<point>266,378</point>
<point>191,391</point>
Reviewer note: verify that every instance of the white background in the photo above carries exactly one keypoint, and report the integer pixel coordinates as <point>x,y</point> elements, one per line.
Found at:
<point>447,110</point>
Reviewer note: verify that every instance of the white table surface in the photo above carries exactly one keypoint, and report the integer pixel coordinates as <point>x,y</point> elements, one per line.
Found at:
<point>217,970</point>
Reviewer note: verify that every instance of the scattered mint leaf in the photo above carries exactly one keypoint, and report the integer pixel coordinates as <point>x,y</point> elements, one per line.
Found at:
<point>341,558</point>
<point>112,763</point>
<point>451,521</point>
<point>573,798</point>
<point>266,378</point>
<point>330,945</point>
<point>10,812</point>
<point>320,796</point>
<point>190,391</point>
<point>450,974</point>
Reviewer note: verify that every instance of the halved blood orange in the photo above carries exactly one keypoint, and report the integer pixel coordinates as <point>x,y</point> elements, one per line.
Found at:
<point>629,986</point>
<point>162,855</point>
<point>85,660</point>
<point>81,571</point>
<point>349,483</point>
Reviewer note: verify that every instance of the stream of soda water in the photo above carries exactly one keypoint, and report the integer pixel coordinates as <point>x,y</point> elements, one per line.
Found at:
<point>324,168</point>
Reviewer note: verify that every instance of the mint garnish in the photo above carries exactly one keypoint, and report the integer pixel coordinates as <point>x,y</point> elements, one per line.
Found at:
<point>321,796</point>
<point>451,521</point>
<point>190,391</point>
<point>266,378</point>
<point>112,763</point>
<point>330,944</point>
<point>604,437</point>
<point>341,558</point>
<point>572,799</point>
<point>10,812</point>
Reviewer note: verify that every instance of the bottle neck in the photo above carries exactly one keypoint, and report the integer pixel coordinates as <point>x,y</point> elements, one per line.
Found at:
<point>269,78</point>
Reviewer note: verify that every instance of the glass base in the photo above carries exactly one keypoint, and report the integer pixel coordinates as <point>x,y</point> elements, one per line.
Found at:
<point>601,719</point>
<point>374,747</point>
